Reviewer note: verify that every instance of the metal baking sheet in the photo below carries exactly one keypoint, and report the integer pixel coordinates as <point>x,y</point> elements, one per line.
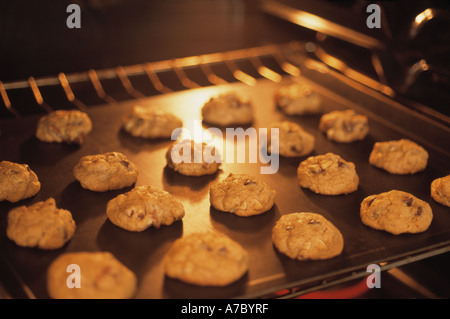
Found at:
<point>269,271</point>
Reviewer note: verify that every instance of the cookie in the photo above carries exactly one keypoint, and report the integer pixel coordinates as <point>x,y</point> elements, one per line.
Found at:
<point>17,182</point>
<point>440,190</point>
<point>144,207</point>
<point>396,212</point>
<point>228,109</point>
<point>64,126</point>
<point>242,195</point>
<point>344,126</point>
<point>400,157</point>
<point>206,259</point>
<point>104,172</point>
<point>151,123</point>
<point>328,174</point>
<point>293,140</point>
<point>40,225</point>
<point>307,236</point>
<point>191,158</point>
<point>298,99</point>
<point>102,276</point>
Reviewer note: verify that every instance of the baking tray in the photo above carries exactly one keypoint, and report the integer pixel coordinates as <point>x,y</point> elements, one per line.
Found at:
<point>269,271</point>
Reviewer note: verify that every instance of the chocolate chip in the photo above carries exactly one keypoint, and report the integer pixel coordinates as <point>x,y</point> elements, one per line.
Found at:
<point>316,169</point>
<point>375,214</point>
<point>408,201</point>
<point>341,164</point>
<point>313,222</point>
<point>249,182</point>
<point>370,202</point>
<point>125,163</point>
<point>296,148</point>
<point>141,216</point>
<point>419,211</point>
<point>348,126</point>
<point>289,227</point>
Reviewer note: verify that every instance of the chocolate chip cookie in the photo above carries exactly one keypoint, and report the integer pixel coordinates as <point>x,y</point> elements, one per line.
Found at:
<point>307,236</point>
<point>64,126</point>
<point>293,140</point>
<point>298,99</point>
<point>144,207</point>
<point>400,157</point>
<point>242,195</point>
<point>228,109</point>
<point>151,123</point>
<point>344,126</point>
<point>440,190</point>
<point>328,174</point>
<point>101,276</point>
<point>206,259</point>
<point>396,212</point>
<point>17,182</point>
<point>40,225</point>
<point>104,172</point>
<point>191,158</point>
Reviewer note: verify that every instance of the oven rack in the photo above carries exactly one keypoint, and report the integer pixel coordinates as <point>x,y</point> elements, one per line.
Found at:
<point>271,62</point>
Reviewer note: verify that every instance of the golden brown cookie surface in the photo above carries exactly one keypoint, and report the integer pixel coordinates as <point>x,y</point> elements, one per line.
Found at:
<point>102,276</point>
<point>307,236</point>
<point>440,190</point>
<point>344,126</point>
<point>144,207</point>
<point>228,108</point>
<point>40,225</point>
<point>293,140</point>
<point>396,212</point>
<point>242,195</point>
<point>104,172</point>
<point>64,126</point>
<point>206,259</point>
<point>399,157</point>
<point>191,158</point>
<point>17,182</point>
<point>298,99</point>
<point>328,174</point>
<point>151,123</point>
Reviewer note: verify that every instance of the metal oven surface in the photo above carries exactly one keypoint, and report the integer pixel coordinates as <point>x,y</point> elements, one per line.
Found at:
<point>269,271</point>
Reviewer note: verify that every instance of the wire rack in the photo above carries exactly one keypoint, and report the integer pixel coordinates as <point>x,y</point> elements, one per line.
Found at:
<point>147,79</point>
<point>95,87</point>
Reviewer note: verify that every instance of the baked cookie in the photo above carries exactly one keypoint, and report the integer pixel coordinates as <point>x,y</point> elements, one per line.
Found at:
<point>64,127</point>
<point>191,158</point>
<point>242,195</point>
<point>206,259</point>
<point>293,140</point>
<point>344,126</point>
<point>328,174</point>
<point>17,182</point>
<point>307,236</point>
<point>151,123</point>
<point>143,207</point>
<point>440,190</point>
<point>104,172</point>
<point>102,276</point>
<point>396,212</point>
<point>40,225</point>
<point>298,99</point>
<point>228,109</point>
<point>399,157</point>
